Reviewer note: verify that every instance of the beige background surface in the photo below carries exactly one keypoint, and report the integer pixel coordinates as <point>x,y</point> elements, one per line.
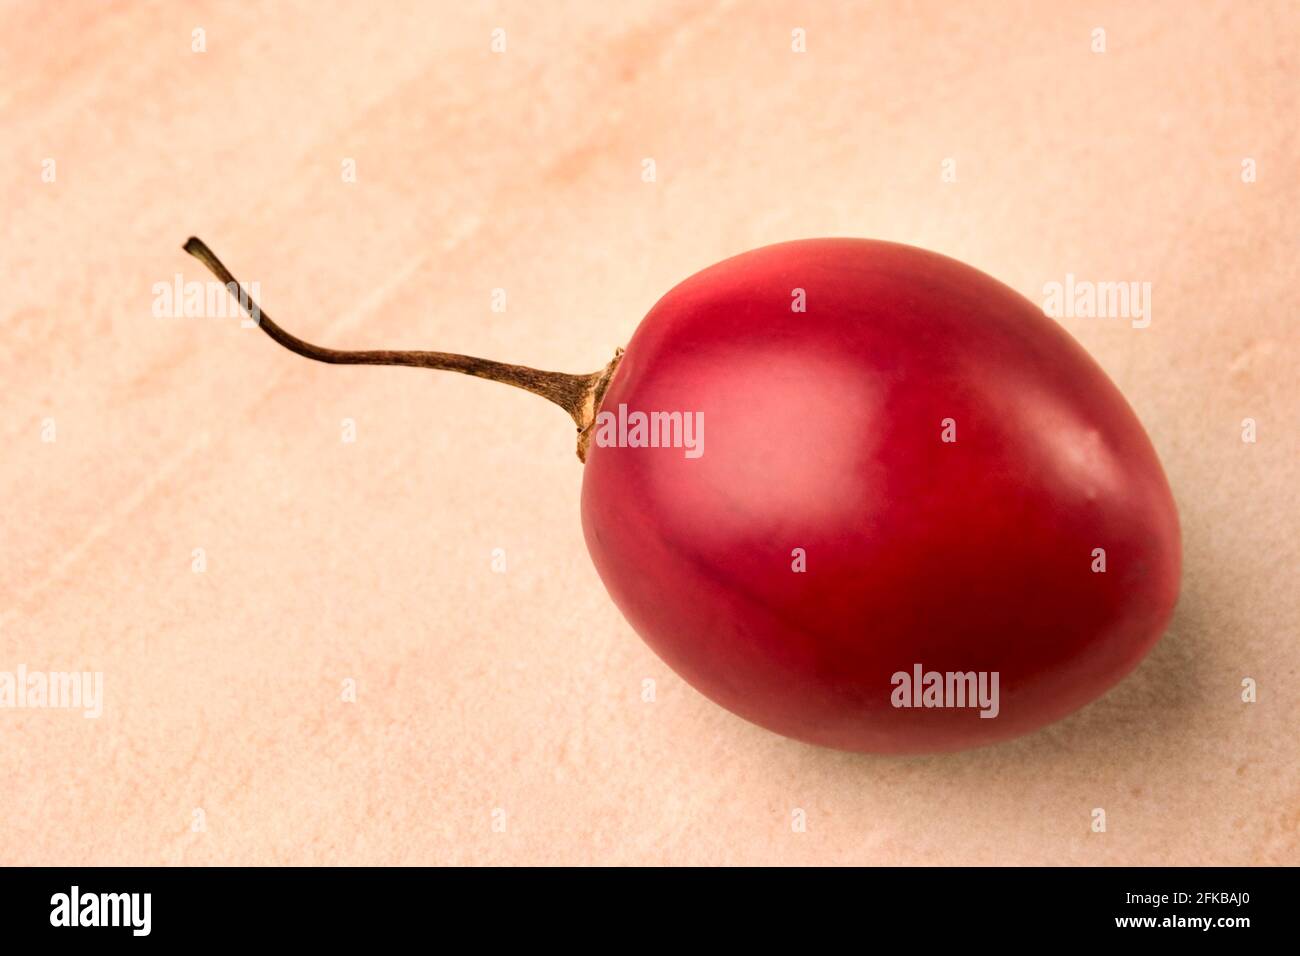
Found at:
<point>371,561</point>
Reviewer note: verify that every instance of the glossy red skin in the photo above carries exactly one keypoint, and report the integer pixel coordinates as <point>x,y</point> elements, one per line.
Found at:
<point>823,432</point>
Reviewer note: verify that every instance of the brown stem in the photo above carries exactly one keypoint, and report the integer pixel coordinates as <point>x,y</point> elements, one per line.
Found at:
<point>579,395</point>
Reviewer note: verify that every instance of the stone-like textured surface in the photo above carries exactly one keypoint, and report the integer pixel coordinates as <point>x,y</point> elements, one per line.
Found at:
<point>372,560</point>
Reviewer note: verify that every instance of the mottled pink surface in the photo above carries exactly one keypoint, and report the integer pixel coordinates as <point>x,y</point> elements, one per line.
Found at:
<point>372,561</point>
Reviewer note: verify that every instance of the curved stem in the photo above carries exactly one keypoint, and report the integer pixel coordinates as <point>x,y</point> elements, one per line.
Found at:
<point>579,395</point>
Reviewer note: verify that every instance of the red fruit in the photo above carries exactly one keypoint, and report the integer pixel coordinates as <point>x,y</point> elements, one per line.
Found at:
<point>823,431</point>
<point>918,474</point>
